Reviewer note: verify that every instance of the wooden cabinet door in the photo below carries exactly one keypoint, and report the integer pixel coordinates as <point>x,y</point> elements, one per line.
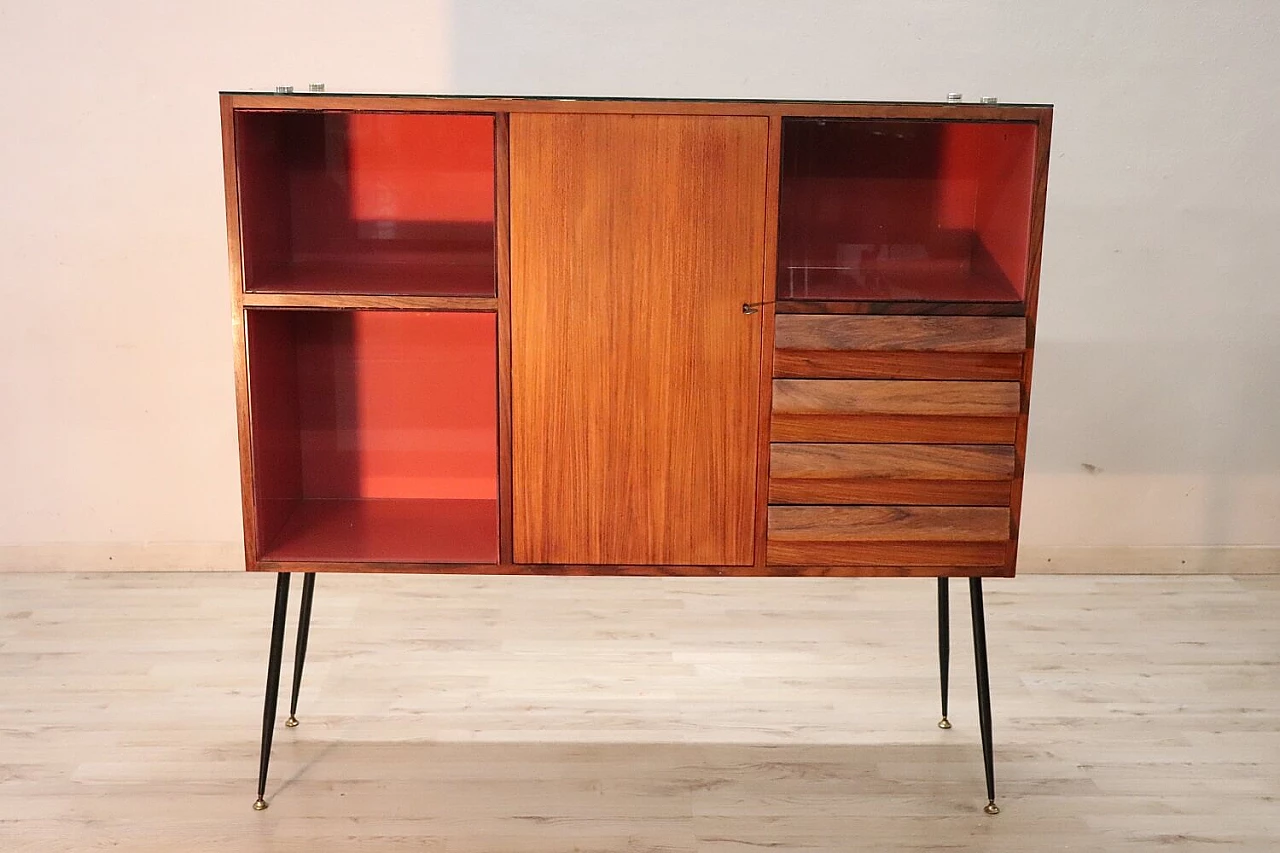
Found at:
<point>635,241</point>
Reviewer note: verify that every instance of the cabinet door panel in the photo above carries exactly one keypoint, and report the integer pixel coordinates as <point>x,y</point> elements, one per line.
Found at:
<point>635,240</point>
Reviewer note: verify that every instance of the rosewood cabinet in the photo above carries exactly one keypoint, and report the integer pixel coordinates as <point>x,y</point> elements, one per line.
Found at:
<point>647,337</point>
<point>508,335</point>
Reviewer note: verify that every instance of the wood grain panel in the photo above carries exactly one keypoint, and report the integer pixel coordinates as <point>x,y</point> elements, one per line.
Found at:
<point>906,461</point>
<point>884,397</point>
<point>634,370</point>
<point>889,491</point>
<point>893,428</point>
<point>950,555</point>
<point>840,364</point>
<point>918,334</point>
<point>888,524</point>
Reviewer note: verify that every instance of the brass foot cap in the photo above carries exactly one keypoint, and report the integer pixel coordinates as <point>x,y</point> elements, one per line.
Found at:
<point>259,804</point>
<point>292,722</point>
<point>944,723</point>
<point>991,808</point>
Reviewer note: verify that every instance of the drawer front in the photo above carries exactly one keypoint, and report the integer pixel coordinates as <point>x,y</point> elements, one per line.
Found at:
<point>884,397</point>
<point>956,536</point>
<point>818,426</point>
<point>853,332</point>
<point>838,364</point>
<point>904,461</point>
<point>940,555</point>
<point>888,524</point>
<point>913,474</point>
<point>876,347</point>
<point>913,492</point>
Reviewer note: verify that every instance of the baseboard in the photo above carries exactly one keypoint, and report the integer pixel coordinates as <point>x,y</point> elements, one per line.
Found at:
<point>1149,560</point>
<point>1032,559</point>
<point>123,557</point>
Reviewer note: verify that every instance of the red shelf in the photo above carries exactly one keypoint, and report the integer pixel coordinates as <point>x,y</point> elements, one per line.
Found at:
<point>381,277</point>
<point>390,530</point>
<point>880,211</point>
<point>374,435</point>
<point>367,203</point>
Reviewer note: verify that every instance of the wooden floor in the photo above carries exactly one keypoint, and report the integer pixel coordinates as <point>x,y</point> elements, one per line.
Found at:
<point>560,714</point>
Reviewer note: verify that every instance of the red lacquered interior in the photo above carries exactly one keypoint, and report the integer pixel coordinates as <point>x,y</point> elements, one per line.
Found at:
<point>367,203</point>
<point>881,210</point>
<point>374,435</point>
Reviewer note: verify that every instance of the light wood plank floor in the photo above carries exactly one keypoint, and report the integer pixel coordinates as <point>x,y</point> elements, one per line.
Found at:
<point>548,714</point>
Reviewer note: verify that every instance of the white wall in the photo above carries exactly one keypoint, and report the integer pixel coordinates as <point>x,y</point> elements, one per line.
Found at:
<point>1157,396</point>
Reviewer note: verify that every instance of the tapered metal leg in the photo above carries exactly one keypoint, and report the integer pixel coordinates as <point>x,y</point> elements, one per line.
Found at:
<point>984,690</point>
<point>944,645</point>
<point>300,653</point>
<point>273,683</point>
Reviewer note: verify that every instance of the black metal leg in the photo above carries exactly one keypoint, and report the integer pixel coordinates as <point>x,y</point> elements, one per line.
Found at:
<point>300,653</point>
<point>984,690</point>
<point>273,683</point>
<point>944,645</point>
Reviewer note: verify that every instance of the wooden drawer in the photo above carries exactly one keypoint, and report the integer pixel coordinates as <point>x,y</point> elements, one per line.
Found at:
<point>802,364</point>
<point>818,426</point>
<point>944,555</point>
<point>872,333</point>
<point>961,475</point>
<point>882,397</point>
<point>888,535</point>
<point>888,524</point>
<point>907,461</point>
<point>875,347</point>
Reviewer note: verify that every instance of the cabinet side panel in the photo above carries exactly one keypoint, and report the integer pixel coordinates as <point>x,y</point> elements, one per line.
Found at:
<point>1039,191</point>
<point>502,207</point>
<point>265,217</point>
<point>274,422</point>
<point>635,241</point>
<point>1006,170</point>
<point>232,195</point>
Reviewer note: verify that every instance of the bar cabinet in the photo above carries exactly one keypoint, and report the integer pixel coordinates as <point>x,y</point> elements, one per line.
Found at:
<point>643,337</point>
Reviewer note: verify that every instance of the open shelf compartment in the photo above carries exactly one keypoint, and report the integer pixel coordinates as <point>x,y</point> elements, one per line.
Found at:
<point>891,210</point>
<point>366,203</point>
<point>374,435</point>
